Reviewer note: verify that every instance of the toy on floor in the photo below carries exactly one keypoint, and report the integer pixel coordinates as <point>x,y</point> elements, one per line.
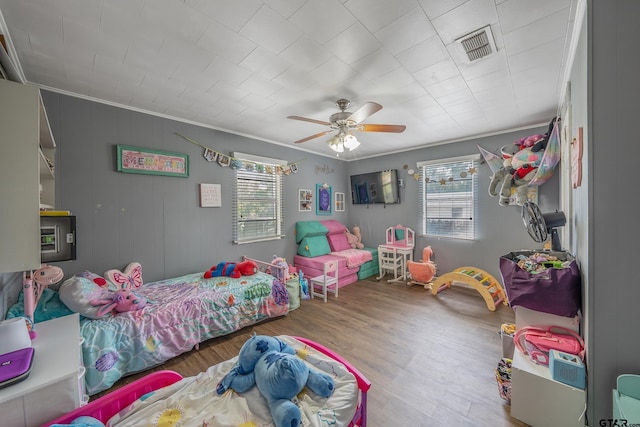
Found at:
<point>486,285</point>
<point>422,272</point>
<point>279,374</point>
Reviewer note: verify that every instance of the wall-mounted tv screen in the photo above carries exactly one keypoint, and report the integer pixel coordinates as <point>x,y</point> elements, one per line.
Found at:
<point>375,187</point>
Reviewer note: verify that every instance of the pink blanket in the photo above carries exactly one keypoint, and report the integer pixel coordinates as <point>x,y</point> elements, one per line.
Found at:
<point>355,257</point>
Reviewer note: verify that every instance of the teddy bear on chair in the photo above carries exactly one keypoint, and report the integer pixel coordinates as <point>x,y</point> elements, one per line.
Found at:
<point>279,374</point>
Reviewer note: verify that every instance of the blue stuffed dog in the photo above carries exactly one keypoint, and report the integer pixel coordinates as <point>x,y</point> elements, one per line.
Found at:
<point>279,375</point>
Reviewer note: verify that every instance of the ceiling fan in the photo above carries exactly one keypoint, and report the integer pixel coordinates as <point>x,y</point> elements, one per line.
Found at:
<point>347,123</point>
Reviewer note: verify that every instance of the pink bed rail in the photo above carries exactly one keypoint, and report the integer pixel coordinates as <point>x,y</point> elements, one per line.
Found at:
<point>110,404</point>
<point>360,418</point>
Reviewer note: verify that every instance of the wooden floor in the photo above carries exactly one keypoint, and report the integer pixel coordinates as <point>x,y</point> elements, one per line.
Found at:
<point>431,359</point>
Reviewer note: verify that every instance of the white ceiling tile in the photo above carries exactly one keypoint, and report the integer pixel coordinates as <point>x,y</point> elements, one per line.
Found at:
<point>544,31</point>
<point>265,63</point>
<point>230,13</point>
<point>254,100</point>
<point>435,8</point>
<point>453,98</point>
<point>227,72</point>
<point>492,80</point>
<point>424,54</point>
<point>545,54</point>
<point>79,38</point>
<point>259,29</point>
<point>116,71</point>
<point>376,64</point>
<point>332,70</point>
<point>194,79</point>
<point>176,18</point>
<point>488,65</point>
<point>353,44</point>
<point>443,70</point>
<point>306,53</point>
<point>195,57</point>
<point>519,13</point>
<point>285,8</point>
<point>377,14</point>
<point>228,92</point>
<point>445,87</point>
<point>322,20</point>
<point>220,40</point>
<point>471,16</point>
<point>407,31</point>
<point>152,61</point>
<point>260,86</point>
<point>120,26</point>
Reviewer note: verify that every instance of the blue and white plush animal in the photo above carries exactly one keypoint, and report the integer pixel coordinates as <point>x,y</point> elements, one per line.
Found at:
<point>279,374</point>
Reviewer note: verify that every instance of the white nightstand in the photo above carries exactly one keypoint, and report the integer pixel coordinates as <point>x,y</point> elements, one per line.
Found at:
<point>55,385</point>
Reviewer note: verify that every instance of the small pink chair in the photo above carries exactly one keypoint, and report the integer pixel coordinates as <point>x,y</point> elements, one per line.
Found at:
<point>422,272</point>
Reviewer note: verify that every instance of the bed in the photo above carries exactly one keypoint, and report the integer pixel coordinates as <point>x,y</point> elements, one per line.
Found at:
<point>181,313</point>
<point>194,400</point>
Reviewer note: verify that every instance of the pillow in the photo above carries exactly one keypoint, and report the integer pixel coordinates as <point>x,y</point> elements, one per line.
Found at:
<point>97,279</point>
<point>338,242</point>
<point>78,292</point>
<point>309,228</point>
<point>312,246</point>
<point>130,278</point>
<point>334,226</point>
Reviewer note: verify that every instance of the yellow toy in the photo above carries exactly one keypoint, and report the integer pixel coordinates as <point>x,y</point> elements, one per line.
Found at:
<point>486,285</point>
<point>422,272</point>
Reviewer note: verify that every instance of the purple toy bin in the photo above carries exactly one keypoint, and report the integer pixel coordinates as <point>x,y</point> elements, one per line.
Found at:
<point>556,290</point>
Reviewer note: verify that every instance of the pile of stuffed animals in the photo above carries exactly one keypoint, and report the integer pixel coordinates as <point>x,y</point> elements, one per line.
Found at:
<point>520,164</point>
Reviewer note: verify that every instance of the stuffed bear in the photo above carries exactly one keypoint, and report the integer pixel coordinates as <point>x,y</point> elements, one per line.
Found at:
<point>356,232</point>
<point>279,374</point>
<point>119,301</point>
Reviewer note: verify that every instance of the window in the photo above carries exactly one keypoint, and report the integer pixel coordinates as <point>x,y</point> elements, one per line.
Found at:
<point>448,192</point>
<point>258,202</point>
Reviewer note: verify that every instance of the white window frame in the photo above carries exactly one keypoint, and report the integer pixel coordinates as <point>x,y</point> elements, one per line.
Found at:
<point>428,169</point>
<point>278,201</point>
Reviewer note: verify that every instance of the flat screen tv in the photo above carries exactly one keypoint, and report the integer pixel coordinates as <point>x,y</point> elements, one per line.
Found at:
<point>375,188</point>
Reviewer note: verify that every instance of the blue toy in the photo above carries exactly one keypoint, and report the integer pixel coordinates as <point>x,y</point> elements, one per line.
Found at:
<point>83,421</point>
<point>279,374</point>
<point>222,269</point>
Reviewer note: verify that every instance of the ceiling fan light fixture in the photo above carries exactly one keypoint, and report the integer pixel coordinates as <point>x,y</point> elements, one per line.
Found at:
<point>336,144</point>
<point>351,142</point>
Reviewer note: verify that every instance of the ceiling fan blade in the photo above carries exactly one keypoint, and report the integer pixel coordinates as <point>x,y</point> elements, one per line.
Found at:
<point>313,136</point>
<point>365,111</point>
<point>304,119</point>
<point>382,128</point>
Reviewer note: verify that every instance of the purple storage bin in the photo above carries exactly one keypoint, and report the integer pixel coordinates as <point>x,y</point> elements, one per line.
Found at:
<point>555,291</point>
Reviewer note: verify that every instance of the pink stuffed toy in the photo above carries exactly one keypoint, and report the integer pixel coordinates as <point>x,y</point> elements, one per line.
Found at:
<point>119,301</point>
<point>354,238</point>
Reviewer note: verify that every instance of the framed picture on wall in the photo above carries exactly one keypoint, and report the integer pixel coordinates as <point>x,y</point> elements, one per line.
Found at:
<point>149,161</point>
<point>305,200</point>
<point>323,199</point>
<point>339,202</point>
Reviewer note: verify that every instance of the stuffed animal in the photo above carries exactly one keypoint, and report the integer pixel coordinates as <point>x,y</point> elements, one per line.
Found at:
<point>356,232</point>
<point>119,301</point>
<point>232,269</point>
<point>279,374</point>
<point>281,273</point>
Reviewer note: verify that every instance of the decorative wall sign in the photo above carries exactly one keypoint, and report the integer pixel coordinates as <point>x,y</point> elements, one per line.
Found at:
<point>324,200</point>
<point>152,162</point>
<point>305,200</point>
<point>339,202</point>
<point>210,196</point>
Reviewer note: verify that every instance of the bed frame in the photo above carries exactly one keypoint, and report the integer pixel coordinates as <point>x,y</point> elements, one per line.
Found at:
<point>110,404</point>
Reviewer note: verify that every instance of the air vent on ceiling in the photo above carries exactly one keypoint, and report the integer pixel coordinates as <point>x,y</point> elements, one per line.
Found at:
<point>478,44</point>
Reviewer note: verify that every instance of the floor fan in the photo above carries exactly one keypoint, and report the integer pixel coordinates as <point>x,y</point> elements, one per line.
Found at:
<point>540,226</point>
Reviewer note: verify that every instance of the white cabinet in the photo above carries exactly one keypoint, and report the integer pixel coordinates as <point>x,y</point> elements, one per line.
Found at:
<point>20,177</point>
<point>536,398</point>
<point>55,385</point>
<point>27,155</point>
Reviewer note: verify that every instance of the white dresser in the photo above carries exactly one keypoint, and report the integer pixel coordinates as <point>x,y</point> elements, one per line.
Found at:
<point>56,383</point>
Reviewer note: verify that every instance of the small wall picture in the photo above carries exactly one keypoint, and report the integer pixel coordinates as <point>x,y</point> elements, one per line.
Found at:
<point>324,201</point>
<point>305,200</point>
<point>210,155</point>
<point>339,202</point>
<point>210,196</point>
<point>224,160</point>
